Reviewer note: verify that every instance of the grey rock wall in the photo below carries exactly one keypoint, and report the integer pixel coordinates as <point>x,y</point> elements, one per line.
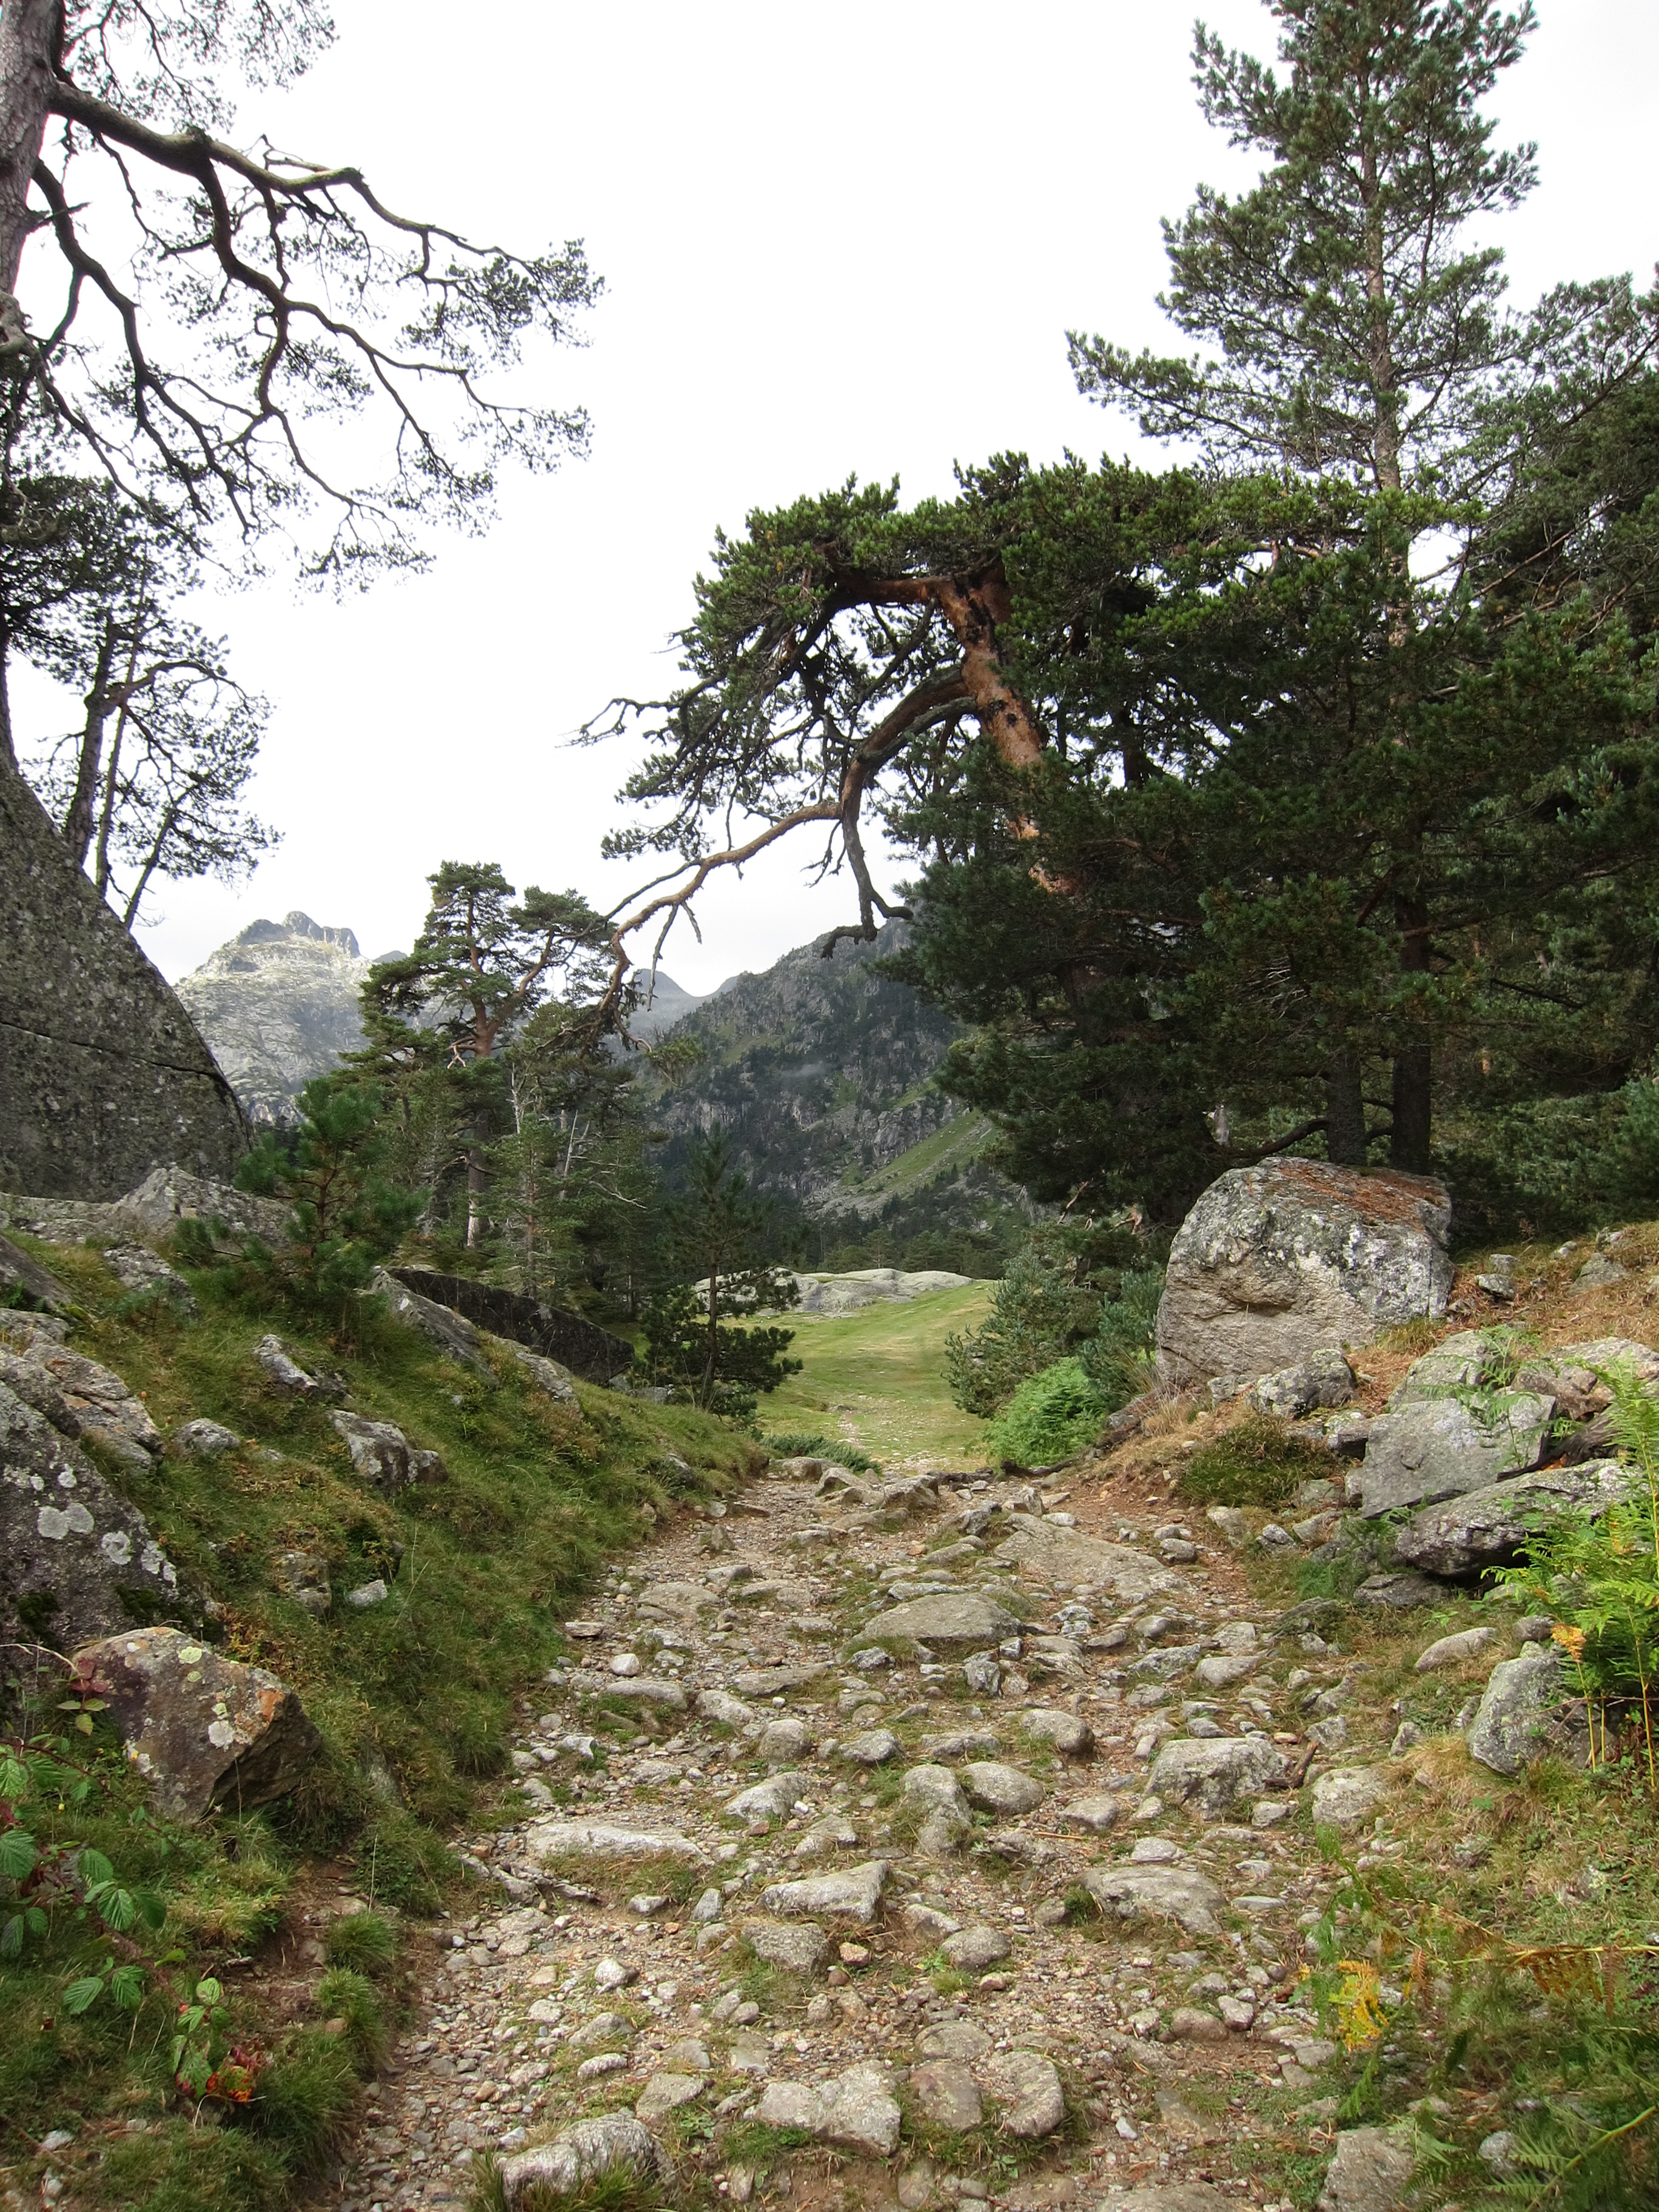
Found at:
<point>102,1074</point>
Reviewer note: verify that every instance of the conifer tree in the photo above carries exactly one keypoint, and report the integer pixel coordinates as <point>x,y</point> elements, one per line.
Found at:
<point>440,1016</point>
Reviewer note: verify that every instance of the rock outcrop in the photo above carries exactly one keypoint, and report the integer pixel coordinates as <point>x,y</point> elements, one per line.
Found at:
<point>103,1075</point>
<point>76,1561</point>
<point>278,1006</point>
<point>1293,1257</point>
<point>202,1731</point>
<point>587,1349</point>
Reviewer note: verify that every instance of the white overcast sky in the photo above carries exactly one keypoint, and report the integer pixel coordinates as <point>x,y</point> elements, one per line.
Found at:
<point>833,240</point>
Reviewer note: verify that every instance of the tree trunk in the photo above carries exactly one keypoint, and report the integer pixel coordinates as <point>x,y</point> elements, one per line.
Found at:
<point>31,41</point>
<point>475,1185</point>
<point>1413,1068</point>
<point>78,824</point>
<point>974,609</point>
<point>8,750</point>
<point>1345,1112</point>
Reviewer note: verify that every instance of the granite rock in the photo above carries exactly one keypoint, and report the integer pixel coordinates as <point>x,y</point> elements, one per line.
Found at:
<point>204,1731</point>
<point>1488,1527</point>
<point>1280,1261</point>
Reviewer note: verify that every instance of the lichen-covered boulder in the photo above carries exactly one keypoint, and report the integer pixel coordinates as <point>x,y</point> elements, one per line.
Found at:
<point>1487,1528</point>
<point>1325,1380</point>
<point>1524,1712</point>
<point>1444,1447</point>
<point>202,1730</point>
<point>1290,1257</point>
<point>382,1454</point>
<point>76,1561</point>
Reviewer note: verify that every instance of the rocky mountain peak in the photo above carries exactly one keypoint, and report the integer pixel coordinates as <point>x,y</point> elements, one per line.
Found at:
<point>278,1006</point>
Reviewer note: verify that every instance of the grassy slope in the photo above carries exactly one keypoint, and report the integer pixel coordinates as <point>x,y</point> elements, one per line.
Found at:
<point>880,1374</point>
<point>413,1697</point>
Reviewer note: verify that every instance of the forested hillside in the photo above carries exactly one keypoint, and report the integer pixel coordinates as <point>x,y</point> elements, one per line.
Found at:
<point>820,1072</point>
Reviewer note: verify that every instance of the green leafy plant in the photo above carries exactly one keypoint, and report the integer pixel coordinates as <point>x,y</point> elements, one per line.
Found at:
<point>1051,1415</point>
<point>1597,1571</point>
<point>73,1876</point>
<point>205,2063</point>
<point>815,1447</point>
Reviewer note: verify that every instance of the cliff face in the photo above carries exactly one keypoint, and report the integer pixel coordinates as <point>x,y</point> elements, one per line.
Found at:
<point>278,1004</point>
<point>102,1074</point>
<point>820,1072</point>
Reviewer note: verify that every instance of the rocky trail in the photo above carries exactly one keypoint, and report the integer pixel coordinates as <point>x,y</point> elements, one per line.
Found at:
<point>1017,1911</point>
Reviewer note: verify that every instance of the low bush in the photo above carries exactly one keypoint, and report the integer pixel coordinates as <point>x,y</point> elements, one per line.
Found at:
<point>1255,1463</point>
<point>1050,1416</point>
<point>831,1448</point>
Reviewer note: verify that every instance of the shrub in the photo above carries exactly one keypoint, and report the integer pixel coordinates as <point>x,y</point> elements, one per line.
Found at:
<point>363,1941</point>
<point>1257,1462</point>
<point>832,1447</point>
<point>1075,1289</point>
<point>1050,1416</point>
<point>350,1997</point>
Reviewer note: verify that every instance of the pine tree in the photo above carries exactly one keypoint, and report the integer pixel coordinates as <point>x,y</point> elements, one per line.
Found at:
<point>439,1018</point>
<point>715,1245</point>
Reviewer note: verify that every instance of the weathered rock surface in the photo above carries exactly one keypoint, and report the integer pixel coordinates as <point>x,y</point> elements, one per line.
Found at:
<point>76,1561</point>
<point>1162,1892</point>
<point>946,2093</point>
<point>1348,1796</point>
<point>383,1456</point>
<point>1071,1736</point>
<point>868,1286</point>
<point>617,2143</point>
<point>1444,1447</point>
<point>857,2109</point>
<point>80,1397</point>
<point>1027,2087</point>
<point>1222,1772</point>
<point>1454,1651</point>
<point>1067,1555</point>
<point>453,1334</point>
<point>798,1946</point>
<point>996,1788</point>
<point>204,1731</point>
<point>140,1270</point>
<point>605,1839</point>
<point>1286,1259</point>
<point>971,1950</point>
<point>1370,2172</point>
<point>963,1621</point>
<point>103,1076</point>
<point>1325,1380</point>
<point>853,1894</point>
<point>1487,1528</point>
<point>1520,1715</point>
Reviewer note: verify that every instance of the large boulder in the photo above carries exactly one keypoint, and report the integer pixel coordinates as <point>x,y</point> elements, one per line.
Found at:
<point>76,1561</point>
<point>103,1076</point>
<point>1524,1713</point>
<point>1292,1257</point>
<point>1222,1772</point>
<point>1488,1527</point>
<point>575,1343</point>
<point>79,1398</point>
<point>1158,1892</point>
<point>951,1621</point>
<point>1060,1555</point>
<point>202,1730</point>
<point>1444,1447</point>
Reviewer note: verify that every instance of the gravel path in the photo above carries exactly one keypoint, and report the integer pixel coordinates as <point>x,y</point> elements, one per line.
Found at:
<point>929,2009</point>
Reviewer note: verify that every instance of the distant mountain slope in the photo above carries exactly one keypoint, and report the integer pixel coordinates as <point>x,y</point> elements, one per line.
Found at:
<point>820,1072</point>
<point>278,1006</point>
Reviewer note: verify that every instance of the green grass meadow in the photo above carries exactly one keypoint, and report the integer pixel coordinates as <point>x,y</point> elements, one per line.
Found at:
<point>878,1378</point>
